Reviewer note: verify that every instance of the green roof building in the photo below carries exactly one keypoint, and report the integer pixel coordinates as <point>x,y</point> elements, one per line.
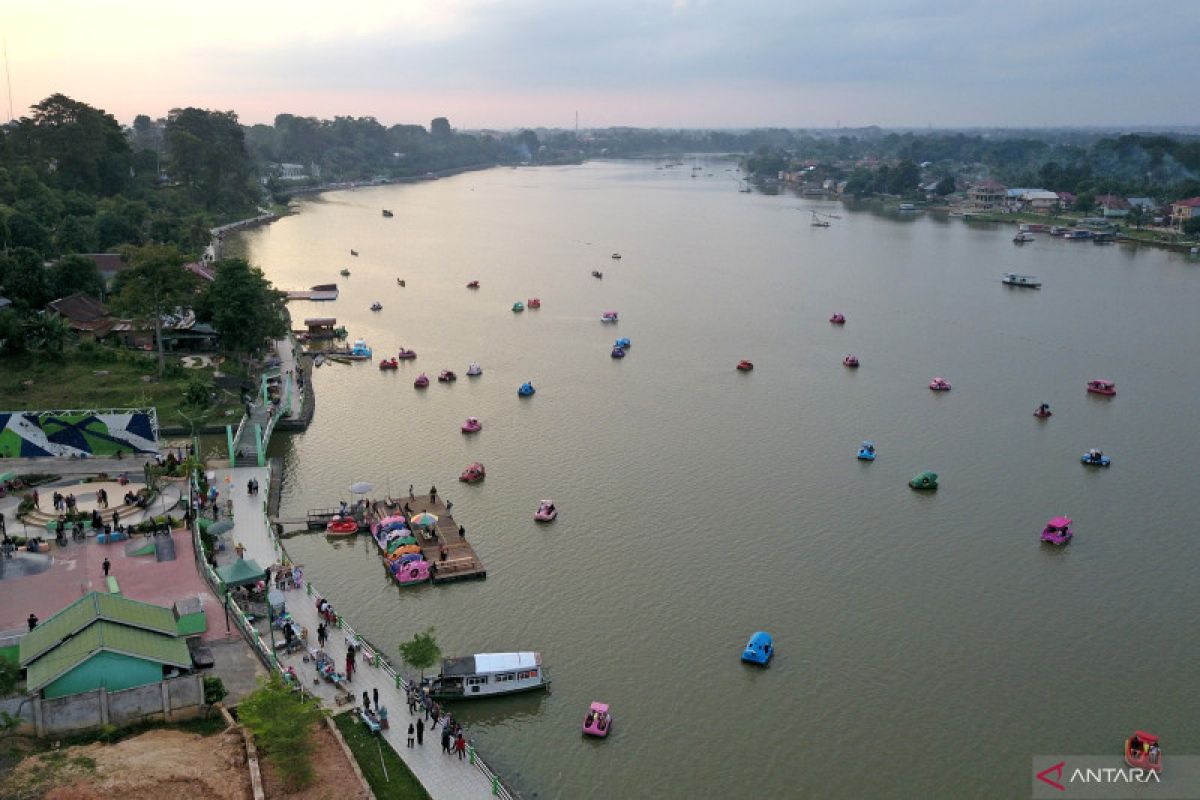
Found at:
<point>102,640</point>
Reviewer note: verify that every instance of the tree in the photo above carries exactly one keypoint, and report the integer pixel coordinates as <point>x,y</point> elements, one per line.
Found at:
<point>25,231</point>
<point>12,333</point>
<point>24,279</point>
<point>905,178</point>
<point>246,309</point>
<point>86,146</point>
<point>76,273</point>
<point>421,652</point>
<point>945,186</point>
<point>440,128</point>
<point>281,720</point>
<point>1085,202</point>
<point>74,236</point>
<point>1192,226</point>
<point>207,153</point>
<point>1137,215</point>
<point>10,673</point>
<point>155,286</point>
<point>47,334</point>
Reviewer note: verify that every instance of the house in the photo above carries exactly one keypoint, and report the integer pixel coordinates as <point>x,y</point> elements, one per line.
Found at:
<point>987,195</point>
<point>1067,199</point>
<point>1146,204</point>
<point>1184,210</point>
<point>102,640</point>
<point>86,315</point>
<point>1112,205</point>
<point>1040,201</point>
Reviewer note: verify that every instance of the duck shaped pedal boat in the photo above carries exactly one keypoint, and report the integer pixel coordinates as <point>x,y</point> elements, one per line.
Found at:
<point>609,316</point>
<point>1142,752</point>
<point>618,352</point>
<point>745,366</point>
<point>850,361</point>
<point>1043,411</point>
<point>1058,531</point>
<point>406,355</point>
<point>547,512</point>
<point>474,473</point>
<point>472,425</point>
<point>939,385</point>
<point>526,389</point>
<point>533,302</point>
<point>447,376</point>
<point>474,369</point>
<point>341,526</point>
<point>389,363</point>
<point>622,343</point>
<point>1106,388</point>
<point>473,285</point>
<point>838,319</point>
<point>926,481</point>
<point>422,381</point>
<point>598,721</point>
<point>518,306</point>
<point>411,573</point>
<point>1094,458</point>
<point>377,306</point>
<point>866,451</point>
<point>759,649</point>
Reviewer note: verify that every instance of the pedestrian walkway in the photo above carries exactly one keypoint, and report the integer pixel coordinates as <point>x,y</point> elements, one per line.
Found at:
<point>442,776</point>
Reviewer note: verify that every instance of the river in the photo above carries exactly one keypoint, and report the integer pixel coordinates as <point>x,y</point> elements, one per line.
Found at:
<point>928,644</point>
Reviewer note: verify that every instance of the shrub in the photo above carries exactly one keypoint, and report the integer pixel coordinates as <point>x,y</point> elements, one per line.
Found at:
<point>281,721</point>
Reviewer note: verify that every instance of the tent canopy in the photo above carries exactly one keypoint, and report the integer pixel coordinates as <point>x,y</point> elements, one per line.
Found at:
<point>241,572</point>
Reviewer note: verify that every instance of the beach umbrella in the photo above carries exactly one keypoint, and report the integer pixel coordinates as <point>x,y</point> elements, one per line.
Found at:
<point>217,528</point>
<point>424,518</point>
<point>362,487</point>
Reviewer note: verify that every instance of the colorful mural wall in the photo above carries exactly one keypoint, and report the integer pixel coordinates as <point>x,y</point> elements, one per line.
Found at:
<point>78,433</point>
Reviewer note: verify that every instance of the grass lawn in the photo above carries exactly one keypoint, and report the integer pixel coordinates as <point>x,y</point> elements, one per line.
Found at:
<point>400,784</point>
<point>102,377</point>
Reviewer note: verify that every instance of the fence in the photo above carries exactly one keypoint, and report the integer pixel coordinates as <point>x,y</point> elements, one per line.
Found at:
<point>267,655</point>
<point>169,700</point>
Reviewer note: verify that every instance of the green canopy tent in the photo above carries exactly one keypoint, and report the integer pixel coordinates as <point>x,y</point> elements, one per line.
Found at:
<point>7,476</point>
<point>241,572</point>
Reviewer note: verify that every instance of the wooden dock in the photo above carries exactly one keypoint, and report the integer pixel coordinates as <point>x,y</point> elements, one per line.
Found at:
<point>461,562</point>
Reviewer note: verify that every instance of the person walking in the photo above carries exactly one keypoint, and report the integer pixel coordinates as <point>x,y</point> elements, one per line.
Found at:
<point>116,519</point>
<point>37,503</point>
<point>366,701</point>
<point>106,566</point>
<point>410,734</point>
<point>412,701</point>
<point>432,494</point>
<point>33,620</point>
<point>460,746</point>
<point>349,665</point>
<point>322,634</point>
<point>421,732</point>
<point>375,695</point>
<point>433,715</point>
<point>411,496</point>
<point>445,741</point>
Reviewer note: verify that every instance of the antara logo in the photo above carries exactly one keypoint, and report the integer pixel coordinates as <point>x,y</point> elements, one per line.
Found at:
<point>1054,775</point>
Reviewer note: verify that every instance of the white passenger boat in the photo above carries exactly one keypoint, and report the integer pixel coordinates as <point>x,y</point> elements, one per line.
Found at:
<point>1027,281</point>
<point>489,674</point>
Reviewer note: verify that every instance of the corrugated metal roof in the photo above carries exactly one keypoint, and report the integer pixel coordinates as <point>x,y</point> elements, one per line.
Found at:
<point>86,610</point>
<point>111,637</point>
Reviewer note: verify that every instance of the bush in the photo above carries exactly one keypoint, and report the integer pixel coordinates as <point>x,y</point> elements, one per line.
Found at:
<point>214,691</point>
<point>281,721</point>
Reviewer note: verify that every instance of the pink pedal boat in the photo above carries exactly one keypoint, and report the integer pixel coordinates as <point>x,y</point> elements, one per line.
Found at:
<point>422,381</point>
<point>1057,531</point>
<point>838,319</point>
<point>1107,388</point>
<point>939,384</point>
<point>598,721</point>
<point>850,361</point>
<point>472,425</point>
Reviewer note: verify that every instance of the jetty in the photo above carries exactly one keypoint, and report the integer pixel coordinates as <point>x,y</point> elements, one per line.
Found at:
<point>461,562</point>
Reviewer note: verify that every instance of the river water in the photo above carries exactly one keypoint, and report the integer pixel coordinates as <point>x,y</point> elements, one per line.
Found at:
<point>928,645</point>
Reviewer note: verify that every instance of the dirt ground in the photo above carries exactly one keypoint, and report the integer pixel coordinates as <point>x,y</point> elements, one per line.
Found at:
<point>154,765</point>
<point>172,765</point>
<point>335,777</point>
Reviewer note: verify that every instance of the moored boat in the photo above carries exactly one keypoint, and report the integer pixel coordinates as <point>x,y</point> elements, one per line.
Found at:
<point>488,675</point>
<point>1057,531</point>
<point>759,649</point>
<point>410,573</point>
<point>598,721</point>
<point>474,473</point>
<point>341,526</point>
<point>1106,388</point>
<point>359,351</point>
<point>1022,237</point>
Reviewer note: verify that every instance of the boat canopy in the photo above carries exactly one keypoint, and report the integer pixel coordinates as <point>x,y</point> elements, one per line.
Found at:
<point>1105,384</point>
<point>1059,522</point>
<point>599,708</point>
<point>1148,738</point>
<point>487,663</point>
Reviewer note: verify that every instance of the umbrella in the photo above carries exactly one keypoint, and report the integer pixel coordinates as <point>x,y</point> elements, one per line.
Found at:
<point>361,487</point>
<point>424,518</point>
<point>217,528</point>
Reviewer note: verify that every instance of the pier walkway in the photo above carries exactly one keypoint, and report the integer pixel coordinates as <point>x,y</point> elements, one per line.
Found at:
<point>442,776</point>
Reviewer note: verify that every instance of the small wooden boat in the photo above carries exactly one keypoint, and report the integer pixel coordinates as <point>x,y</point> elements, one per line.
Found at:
<point>353,252</point>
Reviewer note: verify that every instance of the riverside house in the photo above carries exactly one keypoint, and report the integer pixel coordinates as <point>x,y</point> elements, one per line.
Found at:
<point>987,195</point>
<point>1183,210</point>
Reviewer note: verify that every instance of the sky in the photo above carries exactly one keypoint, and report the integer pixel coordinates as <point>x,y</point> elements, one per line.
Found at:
<point>646,63</point>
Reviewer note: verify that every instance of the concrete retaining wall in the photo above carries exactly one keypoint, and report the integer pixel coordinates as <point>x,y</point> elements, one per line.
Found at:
<point>170,700</point>
<point>74,713</point>
<point>134,705</point>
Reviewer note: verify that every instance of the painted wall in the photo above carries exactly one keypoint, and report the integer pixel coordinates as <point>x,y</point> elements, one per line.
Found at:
<point>53,433</point>
<point>110,670</point>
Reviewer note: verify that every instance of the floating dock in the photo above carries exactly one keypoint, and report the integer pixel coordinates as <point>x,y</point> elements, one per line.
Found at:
<point>461,562</point>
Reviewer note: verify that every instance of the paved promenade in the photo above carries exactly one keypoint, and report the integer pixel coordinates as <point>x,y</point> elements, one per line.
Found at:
<point>443,776</point>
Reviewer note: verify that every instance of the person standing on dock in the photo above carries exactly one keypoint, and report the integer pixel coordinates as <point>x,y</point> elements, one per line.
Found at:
<point>321,634</point>
<point>366,701</point>
<point>411,496</point>
<point>432,495</point>
<point>349,665</point>
<point>460,746</point>
<point>445,739</point>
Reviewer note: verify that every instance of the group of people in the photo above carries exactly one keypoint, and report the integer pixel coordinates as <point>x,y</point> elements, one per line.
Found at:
<point>252,487</point>
<point>66,502</point>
